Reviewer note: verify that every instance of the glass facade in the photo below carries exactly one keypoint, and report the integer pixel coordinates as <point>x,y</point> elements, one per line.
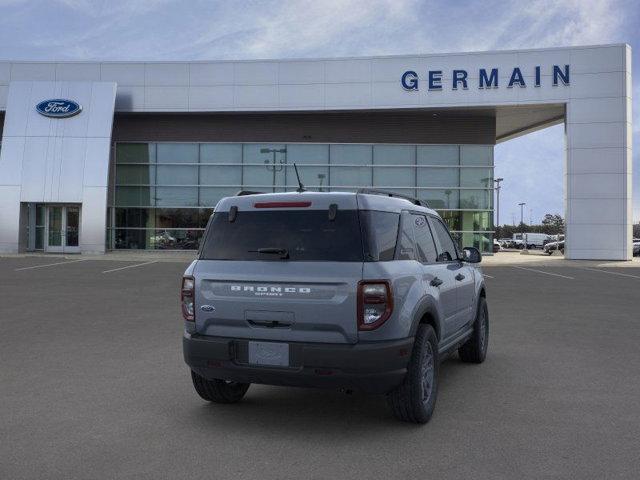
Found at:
<point>164,193</point>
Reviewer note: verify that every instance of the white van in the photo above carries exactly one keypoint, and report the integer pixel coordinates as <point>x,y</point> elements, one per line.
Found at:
<point>532,240</point>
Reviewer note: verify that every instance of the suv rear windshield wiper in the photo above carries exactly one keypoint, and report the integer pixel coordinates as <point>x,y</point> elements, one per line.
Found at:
<point>283,252</point>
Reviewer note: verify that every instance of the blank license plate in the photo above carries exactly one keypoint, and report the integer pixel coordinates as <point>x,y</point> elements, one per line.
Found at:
<point>269,353</point>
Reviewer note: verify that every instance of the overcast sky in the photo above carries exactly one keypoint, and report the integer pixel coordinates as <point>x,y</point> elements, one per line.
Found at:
<point>532,166</point>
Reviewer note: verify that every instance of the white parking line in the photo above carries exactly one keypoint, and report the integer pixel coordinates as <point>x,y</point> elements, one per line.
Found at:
<point>130,266</point>
<point>545,273</point>
<point>611,273</point>
<point>487,276</point>
<point>49,265</point>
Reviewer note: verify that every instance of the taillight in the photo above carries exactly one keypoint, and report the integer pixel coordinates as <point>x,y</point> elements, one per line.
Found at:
<point>375,303</point>
<point>187,296</point>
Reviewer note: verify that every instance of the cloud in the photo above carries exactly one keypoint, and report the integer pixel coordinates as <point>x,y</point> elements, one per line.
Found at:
<point>548,23</point>
<point>348,26</point>
<point>112,8</point>
<point>164,29</point>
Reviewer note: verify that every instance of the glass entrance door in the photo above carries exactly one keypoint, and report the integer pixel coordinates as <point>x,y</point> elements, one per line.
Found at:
<point>62,229</point>
<point>72,229</point>
<point>54,230</point>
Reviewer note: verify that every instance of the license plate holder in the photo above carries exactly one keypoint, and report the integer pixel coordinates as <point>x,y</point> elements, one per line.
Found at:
<point>273,354</point>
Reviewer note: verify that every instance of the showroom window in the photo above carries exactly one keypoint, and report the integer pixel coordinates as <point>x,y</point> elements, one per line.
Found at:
<point>163,193</point>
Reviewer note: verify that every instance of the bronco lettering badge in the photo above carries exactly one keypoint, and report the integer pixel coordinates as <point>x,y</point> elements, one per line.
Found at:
<point>269,291</point>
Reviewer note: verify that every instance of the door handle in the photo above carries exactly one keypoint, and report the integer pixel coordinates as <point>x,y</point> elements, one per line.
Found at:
<point>436,282</point>
<point>460,277</point>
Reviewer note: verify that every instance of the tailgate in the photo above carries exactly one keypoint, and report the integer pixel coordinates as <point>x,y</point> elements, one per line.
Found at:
<point>282,301</point>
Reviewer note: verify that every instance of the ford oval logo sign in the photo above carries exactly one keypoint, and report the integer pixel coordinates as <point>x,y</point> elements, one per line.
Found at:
<point>58,108</point>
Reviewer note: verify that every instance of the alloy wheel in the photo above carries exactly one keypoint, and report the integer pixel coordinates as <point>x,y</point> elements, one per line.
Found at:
<point>428,373</point>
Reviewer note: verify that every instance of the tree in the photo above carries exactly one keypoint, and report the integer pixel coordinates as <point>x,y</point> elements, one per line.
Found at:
<point>552,224</point>
<point>553,220</point>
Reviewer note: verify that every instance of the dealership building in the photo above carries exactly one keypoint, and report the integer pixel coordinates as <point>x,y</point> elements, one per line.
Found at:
<point>99,156</point>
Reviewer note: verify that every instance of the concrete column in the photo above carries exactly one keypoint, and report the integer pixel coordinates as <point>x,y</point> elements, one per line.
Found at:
<point>93,220</point>
<point>9,218</point>
<point>598,207</point>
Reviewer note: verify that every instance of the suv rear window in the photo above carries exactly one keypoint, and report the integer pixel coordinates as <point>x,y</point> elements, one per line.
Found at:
<point>305,235</point>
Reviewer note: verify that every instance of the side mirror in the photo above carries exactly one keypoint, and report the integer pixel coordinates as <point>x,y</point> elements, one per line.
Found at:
<point>444,257</point>
<point>471,255</point>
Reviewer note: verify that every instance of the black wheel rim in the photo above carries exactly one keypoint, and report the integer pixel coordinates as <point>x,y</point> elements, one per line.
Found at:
<point>428,373</point>
<point>483,330</point>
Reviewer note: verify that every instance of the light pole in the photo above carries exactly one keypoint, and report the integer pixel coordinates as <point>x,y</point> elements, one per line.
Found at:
<point>273,165</point>
<point>498,187</point>
<point>524,240</point>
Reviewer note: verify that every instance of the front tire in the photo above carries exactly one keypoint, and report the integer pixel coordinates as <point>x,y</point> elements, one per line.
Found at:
<point>474,350</point>
<point>415,400</point>
<point>218,391</point>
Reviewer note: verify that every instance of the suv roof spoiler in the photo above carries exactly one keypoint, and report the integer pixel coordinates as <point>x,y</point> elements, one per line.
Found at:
<point>368,191</point>
<point>372,191</point>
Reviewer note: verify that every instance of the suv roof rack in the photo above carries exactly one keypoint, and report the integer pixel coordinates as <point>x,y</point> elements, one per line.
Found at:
<point>242,193</point>
<point>373,191</point>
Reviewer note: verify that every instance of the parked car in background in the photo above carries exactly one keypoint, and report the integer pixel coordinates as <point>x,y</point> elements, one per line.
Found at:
<point>551,247</point>
<point>533,240</point>
<point>496,246</point>
<point>506,243</point>
<point>636,247</point>
<point>556,238</point>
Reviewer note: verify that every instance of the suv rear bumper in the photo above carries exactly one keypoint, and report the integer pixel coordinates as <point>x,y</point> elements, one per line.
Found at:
<point>373,367</point>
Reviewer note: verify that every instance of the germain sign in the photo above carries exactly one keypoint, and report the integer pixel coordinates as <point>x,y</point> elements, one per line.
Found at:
<point>487,78</point>
<point>58,108</point>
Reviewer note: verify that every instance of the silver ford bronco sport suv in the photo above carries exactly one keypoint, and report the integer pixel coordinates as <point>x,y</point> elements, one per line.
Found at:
<point>357,291</point>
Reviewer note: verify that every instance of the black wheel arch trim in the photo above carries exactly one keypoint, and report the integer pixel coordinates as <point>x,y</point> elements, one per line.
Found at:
<point>482,293</point>
<point>427,306</point>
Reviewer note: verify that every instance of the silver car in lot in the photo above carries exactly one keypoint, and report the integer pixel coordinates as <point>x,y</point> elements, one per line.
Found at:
<point>551,247</point>
<point>361,291</point>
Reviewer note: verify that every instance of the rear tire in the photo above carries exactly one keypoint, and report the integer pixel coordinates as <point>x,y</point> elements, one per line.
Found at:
<point>219,391</point>
<point>415,400</point>
<point>474,350</point>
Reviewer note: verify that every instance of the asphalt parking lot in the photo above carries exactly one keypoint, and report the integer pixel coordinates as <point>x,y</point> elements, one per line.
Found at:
<point>93,385</point>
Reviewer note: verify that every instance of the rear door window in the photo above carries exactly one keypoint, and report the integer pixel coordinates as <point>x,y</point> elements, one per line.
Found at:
<point>307,235</point>
<point>446,248</point>
<point>406,243</point>
<point>424,240</point>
